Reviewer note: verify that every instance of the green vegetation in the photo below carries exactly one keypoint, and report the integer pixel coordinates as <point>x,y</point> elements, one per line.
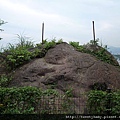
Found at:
<point>48,45</point>
<point>17,58</point>
<point>4,80</point>
<point>100,52</point>
<point>31,100</point>
<point>98,102</point>
<point>1,23</point>
<point>18,100</point>
<point>78,47</point>
<point>16,55</point>
<point>69,92</point>
<point>24,51</point>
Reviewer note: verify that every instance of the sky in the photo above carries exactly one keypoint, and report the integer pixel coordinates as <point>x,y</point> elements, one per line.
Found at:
<point>70,20</point>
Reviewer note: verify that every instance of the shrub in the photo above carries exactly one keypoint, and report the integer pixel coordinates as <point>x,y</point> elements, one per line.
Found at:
<point>98,102</point>
<point>17,58</point>
<point>49,45</point>
<point>18,54</point>
<point>31,100</point>
<point>74,44</point>
<point>19,100</point>
<point>103,56</point>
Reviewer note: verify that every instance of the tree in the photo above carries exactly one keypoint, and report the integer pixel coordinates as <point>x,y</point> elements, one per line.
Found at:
<point>1,23</point>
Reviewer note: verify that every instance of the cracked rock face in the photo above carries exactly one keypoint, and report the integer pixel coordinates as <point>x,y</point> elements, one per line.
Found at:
<point>66,68</point>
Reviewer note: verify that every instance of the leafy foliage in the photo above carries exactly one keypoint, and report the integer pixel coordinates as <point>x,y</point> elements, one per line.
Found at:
<point>25,50</point>
<point>74,44</point>
<point>101,54</point>
<point>19,100</point>
<point>69,92</point>
<point>17,58</point>
<point>98,102</point>
<point>30,100</point>
<point>78,47</point>
<point>4,80</point>
<point>42,48</point>
<point>1,23</point>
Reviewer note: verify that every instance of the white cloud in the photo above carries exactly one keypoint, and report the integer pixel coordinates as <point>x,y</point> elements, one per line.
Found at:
<point>70,20</point>
<point>105,26</point>
<point>25,16</point>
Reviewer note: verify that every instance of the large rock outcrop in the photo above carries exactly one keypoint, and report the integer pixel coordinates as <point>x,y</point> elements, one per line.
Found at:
<point>64,68</point>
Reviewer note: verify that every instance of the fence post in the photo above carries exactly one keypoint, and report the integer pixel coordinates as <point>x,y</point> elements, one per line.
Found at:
<point>42,32</point>
<point>93,32</point>
<point>108,105</point>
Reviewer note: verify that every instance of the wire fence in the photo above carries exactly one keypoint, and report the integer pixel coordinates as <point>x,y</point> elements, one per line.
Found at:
<point>62,105</point>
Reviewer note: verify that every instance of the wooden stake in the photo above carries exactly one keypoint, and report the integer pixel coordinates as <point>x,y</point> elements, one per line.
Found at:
<point>42,32</point>
<point>93,32</point>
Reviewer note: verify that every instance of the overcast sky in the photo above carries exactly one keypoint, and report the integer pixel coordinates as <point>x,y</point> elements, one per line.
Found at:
<point>70,20</point>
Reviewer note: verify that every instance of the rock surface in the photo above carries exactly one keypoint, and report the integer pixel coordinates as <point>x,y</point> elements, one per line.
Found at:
<point>64,68</point>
